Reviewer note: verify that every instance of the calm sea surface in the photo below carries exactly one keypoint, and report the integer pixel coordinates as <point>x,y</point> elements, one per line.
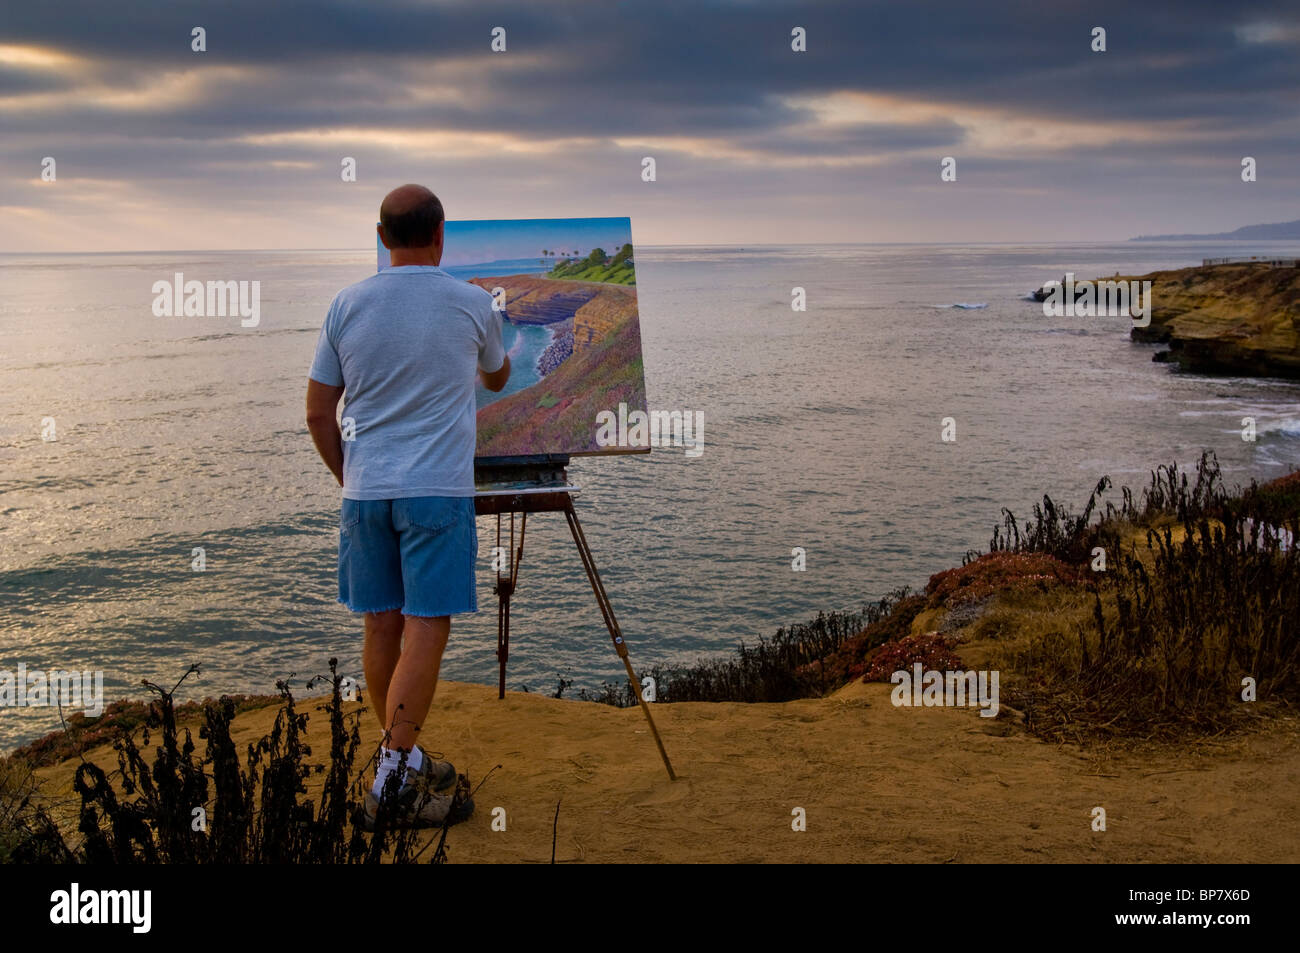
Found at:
<point>822,431</point>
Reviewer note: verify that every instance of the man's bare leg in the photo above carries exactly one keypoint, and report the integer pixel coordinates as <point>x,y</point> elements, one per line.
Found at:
<point>383,647</point>
<point>411,688</point>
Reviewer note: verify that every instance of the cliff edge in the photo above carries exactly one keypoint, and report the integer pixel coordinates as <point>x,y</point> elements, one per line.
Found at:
<point>1227,319</point>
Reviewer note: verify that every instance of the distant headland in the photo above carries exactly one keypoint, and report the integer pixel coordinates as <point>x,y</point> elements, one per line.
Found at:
<point>1280,232</point>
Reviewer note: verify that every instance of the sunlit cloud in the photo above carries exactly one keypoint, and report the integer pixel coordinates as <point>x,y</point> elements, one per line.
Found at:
<point>36,57</point>
<point>448,144</point>
<point>165,91</point>
<point>991,131</point>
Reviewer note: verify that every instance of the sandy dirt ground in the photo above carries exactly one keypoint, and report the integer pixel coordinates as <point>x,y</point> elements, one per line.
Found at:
<point>876,784</point>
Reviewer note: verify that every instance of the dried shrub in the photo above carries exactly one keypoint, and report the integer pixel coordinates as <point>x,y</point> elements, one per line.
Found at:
<point>255,805</point>
<point>81,732</point>
<point>1212,598</point>
<point>1055,530</point>
<point>800,661</point>
<point>1276,503</point>
<point>28,835</point>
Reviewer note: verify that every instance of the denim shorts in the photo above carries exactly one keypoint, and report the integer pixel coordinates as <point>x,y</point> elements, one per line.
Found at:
<point>415,554</point>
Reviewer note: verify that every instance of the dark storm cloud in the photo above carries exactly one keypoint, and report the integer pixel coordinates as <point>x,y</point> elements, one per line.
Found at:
<point>286,89</point>
<point>855,140</point>
<point>654,68</point>
<point>15,81</point>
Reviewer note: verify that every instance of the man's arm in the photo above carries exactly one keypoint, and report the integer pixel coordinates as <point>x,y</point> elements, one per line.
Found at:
<point>322,422</point>
<point>497,379</point>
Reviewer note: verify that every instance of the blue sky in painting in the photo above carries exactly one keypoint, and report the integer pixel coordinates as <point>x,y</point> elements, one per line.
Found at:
<point>476,242</point>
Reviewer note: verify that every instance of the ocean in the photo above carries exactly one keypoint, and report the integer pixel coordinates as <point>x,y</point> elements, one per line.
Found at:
<point>822,431</point>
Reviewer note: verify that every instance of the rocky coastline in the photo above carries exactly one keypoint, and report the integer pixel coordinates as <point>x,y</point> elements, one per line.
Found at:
<point>559,350</point>
<point>1237,319</point>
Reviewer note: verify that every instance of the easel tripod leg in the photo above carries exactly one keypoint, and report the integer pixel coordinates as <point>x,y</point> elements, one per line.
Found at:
<point>505,588</point>
<point>503,641</point>
<point>611,623</point>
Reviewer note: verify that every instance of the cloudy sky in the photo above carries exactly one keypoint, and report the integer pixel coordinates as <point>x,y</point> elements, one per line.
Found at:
<point>160,147</point>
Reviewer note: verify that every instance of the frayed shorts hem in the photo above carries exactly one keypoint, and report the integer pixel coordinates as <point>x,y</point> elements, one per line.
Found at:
<point>415,612</point>
<point>352,608</point>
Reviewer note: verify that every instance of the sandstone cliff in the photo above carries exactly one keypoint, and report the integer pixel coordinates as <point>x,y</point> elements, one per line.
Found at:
<point>593,320</point>
<point>594,307</point>
<point>1228,319</point>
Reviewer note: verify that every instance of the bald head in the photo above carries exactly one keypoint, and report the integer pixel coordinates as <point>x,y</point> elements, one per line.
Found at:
<point>411,216</point>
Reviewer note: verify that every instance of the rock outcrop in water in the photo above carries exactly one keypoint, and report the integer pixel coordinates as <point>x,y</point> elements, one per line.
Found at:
<point>558,351</point>
<point>1227,319</point>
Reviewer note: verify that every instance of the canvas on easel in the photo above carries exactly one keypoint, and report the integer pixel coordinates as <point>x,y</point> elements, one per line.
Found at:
<point>566,289</point>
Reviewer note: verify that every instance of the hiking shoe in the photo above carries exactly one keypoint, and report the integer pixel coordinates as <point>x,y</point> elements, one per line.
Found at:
<point>418,806</point>
<point>438,775</point>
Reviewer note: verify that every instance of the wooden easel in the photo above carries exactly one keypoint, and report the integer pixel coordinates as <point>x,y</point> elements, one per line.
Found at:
<point>547,502</point>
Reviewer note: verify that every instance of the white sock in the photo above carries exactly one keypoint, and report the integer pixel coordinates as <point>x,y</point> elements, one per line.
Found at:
<point>415,760</point>
<point>389,759</point>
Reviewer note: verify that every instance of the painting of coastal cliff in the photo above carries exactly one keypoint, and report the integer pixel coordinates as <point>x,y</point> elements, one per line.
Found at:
<point>567,288</point>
